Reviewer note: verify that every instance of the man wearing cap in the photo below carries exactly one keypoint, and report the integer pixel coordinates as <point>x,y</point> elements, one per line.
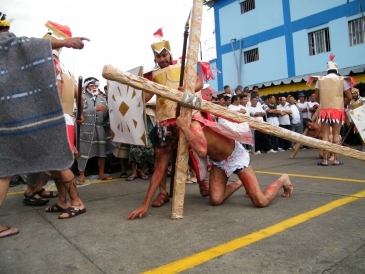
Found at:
<point>330,90</point>
<point>36,135</point>
<point>302,105</point>
<point>95,138</point>
<point>167,74</point>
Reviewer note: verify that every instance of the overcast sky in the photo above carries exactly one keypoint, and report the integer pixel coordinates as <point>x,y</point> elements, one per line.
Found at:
<point>121,31</point>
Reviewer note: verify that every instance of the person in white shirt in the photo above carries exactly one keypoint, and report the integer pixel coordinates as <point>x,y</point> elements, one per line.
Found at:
<point>244,103</point>
<point>256,111</point>
<point>312,105</point>
<point>235,104</point>
<point>302,105</point>
<point>227,91</point>
<point>296,117</point>
<point>272,114</point>
<point>284,122</point>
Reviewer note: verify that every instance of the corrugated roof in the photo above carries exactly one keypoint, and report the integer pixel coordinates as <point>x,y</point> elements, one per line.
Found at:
<point>303,78</point>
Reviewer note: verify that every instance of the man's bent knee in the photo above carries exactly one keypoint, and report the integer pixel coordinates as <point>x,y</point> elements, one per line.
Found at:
<point>215,201</point>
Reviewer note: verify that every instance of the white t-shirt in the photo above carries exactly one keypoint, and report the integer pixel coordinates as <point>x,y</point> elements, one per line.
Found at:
<point>247,108</point>
<point>233,107</point>
<point>253,110</point>
<point>303,105</point>
<point>236,108</point>
<point>295,116</point>
<point>249,104</point>
<point>284,120</point>
<point>310,104</point>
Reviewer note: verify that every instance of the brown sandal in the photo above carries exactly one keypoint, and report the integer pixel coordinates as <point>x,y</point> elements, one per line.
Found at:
<point>161,199</point>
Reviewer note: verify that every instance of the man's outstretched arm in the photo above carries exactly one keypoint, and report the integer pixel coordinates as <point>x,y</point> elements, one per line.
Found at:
<point>163,156</point>
<point>75,43</point>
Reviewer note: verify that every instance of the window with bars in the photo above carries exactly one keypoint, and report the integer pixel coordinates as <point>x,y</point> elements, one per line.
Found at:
<point>356,32</point>
<point>251,55</point>
<point>319,41</point>
<point>247,5</point>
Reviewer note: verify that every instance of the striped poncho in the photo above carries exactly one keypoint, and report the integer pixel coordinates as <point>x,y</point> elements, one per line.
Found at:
<point>33,135</point>
<point>95,138</point>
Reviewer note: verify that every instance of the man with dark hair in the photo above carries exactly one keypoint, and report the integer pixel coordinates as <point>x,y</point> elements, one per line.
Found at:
<point>167,74</point>
<point>235,104</point>
<point>226,160</point>
<point>272,114</point>
<point>227,91</point>
<point>296,117</point>
<point>284,122</point>
<point>227,100</point>
<point>238,90</point>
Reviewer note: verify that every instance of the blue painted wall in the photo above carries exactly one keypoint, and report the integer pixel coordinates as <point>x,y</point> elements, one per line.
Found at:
<point>279,28</point>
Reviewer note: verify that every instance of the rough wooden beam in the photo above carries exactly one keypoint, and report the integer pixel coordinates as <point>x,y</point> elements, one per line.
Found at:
<point>114,74</point>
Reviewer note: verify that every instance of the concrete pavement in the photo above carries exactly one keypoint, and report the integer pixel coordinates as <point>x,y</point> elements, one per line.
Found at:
<point>320,229</point>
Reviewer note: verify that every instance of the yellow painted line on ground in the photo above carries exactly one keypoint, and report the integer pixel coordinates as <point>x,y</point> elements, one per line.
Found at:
<point>204,256</point>
<point>313,177</point>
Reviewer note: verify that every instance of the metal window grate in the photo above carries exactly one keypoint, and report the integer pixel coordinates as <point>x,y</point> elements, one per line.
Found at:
<point>319,41</point>
<point>356,32</point>
<point>247,5</point>
<point>251,55</point>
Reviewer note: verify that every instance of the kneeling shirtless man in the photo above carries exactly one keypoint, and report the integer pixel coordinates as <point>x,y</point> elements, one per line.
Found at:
<point>227,159</point>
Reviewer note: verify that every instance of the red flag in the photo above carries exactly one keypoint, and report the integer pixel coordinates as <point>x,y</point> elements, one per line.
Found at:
<point>65,29</point>
<point>158,33</point>
<point>206,72</point>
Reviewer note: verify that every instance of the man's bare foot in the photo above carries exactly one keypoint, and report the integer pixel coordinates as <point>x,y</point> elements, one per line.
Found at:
<point>287,186</point>
<point>331,158</point>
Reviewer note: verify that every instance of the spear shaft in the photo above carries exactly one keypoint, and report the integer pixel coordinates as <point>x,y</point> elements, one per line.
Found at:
<point>181,83</point>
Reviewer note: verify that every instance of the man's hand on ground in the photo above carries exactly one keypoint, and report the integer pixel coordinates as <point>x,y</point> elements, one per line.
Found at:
<point>138,212</point>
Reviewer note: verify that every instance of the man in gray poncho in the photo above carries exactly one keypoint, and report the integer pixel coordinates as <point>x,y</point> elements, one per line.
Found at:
<point>33,135</point>
<point>95,139</point>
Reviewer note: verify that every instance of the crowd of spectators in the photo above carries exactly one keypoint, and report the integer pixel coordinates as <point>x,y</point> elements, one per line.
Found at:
<point>287,112</point>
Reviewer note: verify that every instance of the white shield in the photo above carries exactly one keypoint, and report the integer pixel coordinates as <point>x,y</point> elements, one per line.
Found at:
<point>127,112</point>
<point>358,117</point>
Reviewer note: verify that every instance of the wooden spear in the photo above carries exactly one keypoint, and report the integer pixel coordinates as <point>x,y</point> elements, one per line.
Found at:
<point>181,83</point>
<point>111,73</point>
<point>79,98</point>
